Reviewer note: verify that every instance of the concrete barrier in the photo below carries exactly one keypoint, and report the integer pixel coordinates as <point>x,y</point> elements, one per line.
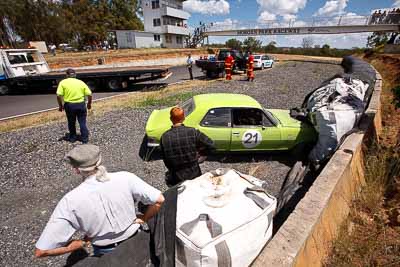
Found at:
<point>306,236</point>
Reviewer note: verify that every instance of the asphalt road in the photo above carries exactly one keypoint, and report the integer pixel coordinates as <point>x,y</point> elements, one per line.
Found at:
<point>15,105</point>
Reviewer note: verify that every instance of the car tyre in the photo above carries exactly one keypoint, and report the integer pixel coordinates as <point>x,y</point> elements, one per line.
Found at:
<point>262,66</point>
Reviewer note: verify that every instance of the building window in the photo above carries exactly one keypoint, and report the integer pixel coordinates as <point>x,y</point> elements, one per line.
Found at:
<point>156,37</point>
<point>179,39</point>
<point>168,38</point>
<point>156,22</point>
<point>155,4</point>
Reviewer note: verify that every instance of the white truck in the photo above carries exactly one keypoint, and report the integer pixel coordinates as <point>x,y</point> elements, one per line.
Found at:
<point>27,70</point>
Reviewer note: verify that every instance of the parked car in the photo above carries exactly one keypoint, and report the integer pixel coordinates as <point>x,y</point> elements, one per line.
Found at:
<point>263,61</point>
<point>235,122</point>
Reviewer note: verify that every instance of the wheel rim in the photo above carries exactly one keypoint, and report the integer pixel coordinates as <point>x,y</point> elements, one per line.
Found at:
<point>4,89</point>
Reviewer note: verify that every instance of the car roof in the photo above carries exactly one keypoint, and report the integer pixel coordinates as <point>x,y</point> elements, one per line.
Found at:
<point>220,100</point>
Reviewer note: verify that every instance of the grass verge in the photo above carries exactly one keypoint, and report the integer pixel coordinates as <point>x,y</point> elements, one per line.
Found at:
<point>155,96</point>
<point>371,234</point>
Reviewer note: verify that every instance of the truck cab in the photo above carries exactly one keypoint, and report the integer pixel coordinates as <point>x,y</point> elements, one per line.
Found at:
<point>22,62</point>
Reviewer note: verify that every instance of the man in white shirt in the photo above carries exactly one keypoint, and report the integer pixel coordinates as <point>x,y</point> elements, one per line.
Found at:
<point>102,207</point>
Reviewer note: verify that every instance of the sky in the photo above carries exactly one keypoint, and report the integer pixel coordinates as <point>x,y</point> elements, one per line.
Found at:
<point>226,11</point>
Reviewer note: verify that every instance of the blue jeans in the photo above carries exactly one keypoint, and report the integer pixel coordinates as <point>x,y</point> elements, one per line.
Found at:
<point>76,111</point>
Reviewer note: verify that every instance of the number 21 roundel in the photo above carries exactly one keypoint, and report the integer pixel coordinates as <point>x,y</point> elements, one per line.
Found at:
<point>251,138</point>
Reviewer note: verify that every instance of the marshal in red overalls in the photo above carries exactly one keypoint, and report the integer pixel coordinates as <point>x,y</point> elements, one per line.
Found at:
<point>228,67</point>
<point>250,68</point>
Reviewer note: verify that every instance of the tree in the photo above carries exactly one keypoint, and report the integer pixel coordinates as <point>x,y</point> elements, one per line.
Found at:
<point>252,44</point>
<point>82,21</point>
<point>234,44</point>
<point>307,42</point>
<point>326,50</point>
<point>377,39</point>
<point>271,47</point>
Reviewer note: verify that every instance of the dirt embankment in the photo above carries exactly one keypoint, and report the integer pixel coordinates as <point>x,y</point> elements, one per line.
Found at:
<point>81,59</point>
<point>371,236</point>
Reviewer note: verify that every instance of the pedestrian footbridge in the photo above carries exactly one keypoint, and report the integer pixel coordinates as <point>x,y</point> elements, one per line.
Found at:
<point>315,25</point>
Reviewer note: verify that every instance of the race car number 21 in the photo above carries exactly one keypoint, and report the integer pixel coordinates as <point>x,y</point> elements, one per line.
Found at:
<point>251,138</point>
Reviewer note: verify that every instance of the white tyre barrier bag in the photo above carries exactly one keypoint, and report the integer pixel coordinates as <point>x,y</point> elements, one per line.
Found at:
<point>222,220</point>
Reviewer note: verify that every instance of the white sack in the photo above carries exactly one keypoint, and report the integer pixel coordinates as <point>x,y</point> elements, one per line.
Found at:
<point>229,230</point>
<point>335,110</point>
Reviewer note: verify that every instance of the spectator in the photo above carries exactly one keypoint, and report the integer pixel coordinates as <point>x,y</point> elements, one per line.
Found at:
<point>181,147</point>
<point>378,17</point>
<point>53,49</point>
<point>72,92</point>
<point>189,64</point>
<point>374,17</point>
<point>382,18</point>
<point>102,207</point>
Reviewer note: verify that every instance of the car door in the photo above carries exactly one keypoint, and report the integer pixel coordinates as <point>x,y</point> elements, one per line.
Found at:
<point>267,61</point>
<point>216,124</point>
<point>252,129</point>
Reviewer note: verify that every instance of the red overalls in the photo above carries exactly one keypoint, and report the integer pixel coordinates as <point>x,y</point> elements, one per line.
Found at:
<point>250,68</point>
<point>228,67</point>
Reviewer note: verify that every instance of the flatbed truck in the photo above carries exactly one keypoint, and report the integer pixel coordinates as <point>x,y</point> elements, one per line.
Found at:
<point>24,70</point>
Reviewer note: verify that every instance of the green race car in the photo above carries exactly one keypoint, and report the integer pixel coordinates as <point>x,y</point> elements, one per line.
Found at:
<point>235,122</point>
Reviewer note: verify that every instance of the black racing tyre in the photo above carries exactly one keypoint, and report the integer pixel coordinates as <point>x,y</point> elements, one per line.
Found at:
<point>4,89</point>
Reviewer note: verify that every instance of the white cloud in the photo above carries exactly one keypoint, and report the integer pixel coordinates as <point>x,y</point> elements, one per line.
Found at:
<point>332,8</point>
<point>210,7</point>
<point>266,16</point>
<point>270,9</point>
<point>396,3</point>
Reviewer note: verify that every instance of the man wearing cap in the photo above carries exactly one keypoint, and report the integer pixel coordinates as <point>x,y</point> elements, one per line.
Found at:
<point>181,147</point>
<point>72,92</point>
<point>102,207</point>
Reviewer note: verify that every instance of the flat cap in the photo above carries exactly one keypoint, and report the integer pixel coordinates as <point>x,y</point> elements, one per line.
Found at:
<point>84,156</point>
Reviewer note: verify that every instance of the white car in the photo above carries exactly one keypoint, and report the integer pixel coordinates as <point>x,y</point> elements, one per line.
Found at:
<point>263,61</point>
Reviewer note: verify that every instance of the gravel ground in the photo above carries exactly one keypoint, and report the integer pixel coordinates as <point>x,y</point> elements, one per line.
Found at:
<point>33,176</point>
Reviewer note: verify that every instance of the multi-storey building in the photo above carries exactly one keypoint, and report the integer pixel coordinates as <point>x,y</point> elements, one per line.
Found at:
<point>167,21</point>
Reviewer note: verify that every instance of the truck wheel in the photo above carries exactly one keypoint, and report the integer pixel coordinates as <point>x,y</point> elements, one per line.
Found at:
<point>92,85</point>
<point>4,89</point>
<point>114,84</point>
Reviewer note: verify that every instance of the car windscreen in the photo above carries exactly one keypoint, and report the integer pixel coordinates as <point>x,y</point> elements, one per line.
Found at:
<point>188,106</point>
<point>257,57</point>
